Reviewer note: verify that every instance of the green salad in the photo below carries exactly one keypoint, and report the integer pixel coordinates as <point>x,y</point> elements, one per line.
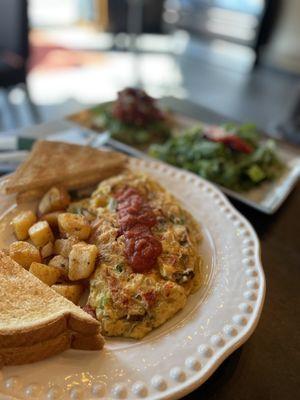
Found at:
<point>230,155</point>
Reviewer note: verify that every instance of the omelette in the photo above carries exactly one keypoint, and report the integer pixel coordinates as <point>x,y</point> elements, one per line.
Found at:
<point>149,261</point>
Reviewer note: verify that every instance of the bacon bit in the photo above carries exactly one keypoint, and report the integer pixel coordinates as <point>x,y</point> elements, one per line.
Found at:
<point>150,298</point>
<point>90,310</point>
<point>125,301</point>
<point>113,283</point>
<point>167,288</point>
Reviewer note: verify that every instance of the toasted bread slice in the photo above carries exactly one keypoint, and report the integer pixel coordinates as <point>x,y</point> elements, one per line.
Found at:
<point>71,184</point>
<point>92,179</point>
<point>31,312</point>
<point>82,342</point>
<point>48,348</point>
<point>52,163</point>
<point>35,352</point>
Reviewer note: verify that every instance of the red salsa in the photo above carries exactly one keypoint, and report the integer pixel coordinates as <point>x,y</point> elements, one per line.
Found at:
<point>136,218</point>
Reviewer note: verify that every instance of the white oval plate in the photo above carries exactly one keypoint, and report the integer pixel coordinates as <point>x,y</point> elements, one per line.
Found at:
<point>178,357</point>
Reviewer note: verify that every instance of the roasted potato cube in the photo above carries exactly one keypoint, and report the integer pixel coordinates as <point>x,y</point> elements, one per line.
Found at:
<point>45,273</point>
<point>22,222</point>
<point>64,246</point>
<point>40,233</point>
<point>71,291</point>
<point>47,250</point>
<point>24,253</point>
<point>82,207</point>
<point>51,218</point>
<point>60,262</point>
<point>57,198</point>
<point>82,260</point>
<point>74,225</point>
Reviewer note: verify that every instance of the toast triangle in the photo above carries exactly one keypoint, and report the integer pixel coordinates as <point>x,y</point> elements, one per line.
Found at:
<point>48,348</point>
<point>51,163</point>
<point>31,312</point>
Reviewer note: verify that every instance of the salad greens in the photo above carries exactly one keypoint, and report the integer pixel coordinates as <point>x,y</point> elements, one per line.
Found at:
<point>234,156</point>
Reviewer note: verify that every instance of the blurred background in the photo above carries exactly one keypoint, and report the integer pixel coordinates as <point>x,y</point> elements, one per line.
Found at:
<point>240,58</point>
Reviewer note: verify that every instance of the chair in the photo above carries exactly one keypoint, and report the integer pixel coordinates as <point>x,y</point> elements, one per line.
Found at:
<point>14,49</point>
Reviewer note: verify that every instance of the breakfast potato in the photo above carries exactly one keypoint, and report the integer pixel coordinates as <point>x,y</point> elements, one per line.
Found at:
<point>82,207</point>
<point>60,262</point>
<point>45,273</point>
<point>47,250</point>
<point>51,218</point>
<point>82,260</point>
<point>71,291</point>
<point>40,233</point>
<point>74,225</point>
<point>22,222</point>
<point>64,246</point>
<point>57,198</point>
<point>24,253</point>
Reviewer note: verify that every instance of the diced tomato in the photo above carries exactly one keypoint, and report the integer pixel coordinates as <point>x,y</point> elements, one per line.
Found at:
<point>150,298</point>
<point>90,310</point>
<point>236,143</point>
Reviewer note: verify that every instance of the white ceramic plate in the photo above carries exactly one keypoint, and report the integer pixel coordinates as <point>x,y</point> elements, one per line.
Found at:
<point>179,356</point>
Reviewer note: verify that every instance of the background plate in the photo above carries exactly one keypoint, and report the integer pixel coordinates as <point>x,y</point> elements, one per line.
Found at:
<point>178,357</point>
<point>267,197</point>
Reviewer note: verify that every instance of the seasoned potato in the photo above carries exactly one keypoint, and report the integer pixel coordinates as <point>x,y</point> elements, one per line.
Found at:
<point>40,233</point>
<point>55,199</point>
<point>60,262</point>
<point>47,250</point>
<point>64,246</point>
<point>74,225</point>
<point>71,291</point>
<point>45,273</point>
<point>24,253</point>
<point>82,260</point>
<point>82,207</point>
<point>51,218</point>
<point>22,222</point>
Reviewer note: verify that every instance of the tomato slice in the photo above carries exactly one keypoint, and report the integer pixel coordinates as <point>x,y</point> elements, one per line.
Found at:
<point>219,135</point>
<point>236,143</point>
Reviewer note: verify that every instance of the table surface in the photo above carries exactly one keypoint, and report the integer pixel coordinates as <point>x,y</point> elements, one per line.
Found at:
<point>267,366</point>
